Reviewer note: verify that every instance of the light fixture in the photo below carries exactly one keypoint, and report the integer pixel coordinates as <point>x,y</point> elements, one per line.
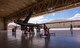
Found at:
<point>50,8</point>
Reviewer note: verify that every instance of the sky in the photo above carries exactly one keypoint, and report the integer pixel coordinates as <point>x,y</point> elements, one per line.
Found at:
<point>70,14</point>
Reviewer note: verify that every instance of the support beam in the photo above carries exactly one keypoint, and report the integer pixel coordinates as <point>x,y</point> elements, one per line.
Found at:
<point>44,7</point>
<point>3,24</point>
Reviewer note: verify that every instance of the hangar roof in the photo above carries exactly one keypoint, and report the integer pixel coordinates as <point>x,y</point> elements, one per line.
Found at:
<point>18,8</point>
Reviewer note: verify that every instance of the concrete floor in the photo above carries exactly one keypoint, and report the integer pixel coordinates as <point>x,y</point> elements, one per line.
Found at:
<point>62,39</point>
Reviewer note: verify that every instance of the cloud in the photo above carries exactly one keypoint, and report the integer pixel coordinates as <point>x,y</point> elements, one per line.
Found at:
<point>53,14</point>
<point>36,19</point>
<point>75,17</point>
<point>41,19</point>
<point>47,17</point>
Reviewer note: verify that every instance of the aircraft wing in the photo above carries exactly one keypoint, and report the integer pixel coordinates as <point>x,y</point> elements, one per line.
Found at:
<point>20,22</point>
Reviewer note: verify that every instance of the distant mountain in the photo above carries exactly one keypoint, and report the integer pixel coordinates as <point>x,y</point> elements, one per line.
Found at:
<point>75,17</point>
<point>56,21</point>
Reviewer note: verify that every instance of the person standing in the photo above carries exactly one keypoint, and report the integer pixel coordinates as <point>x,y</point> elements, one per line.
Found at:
<point>71,29</point>
<point>46,30</point>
